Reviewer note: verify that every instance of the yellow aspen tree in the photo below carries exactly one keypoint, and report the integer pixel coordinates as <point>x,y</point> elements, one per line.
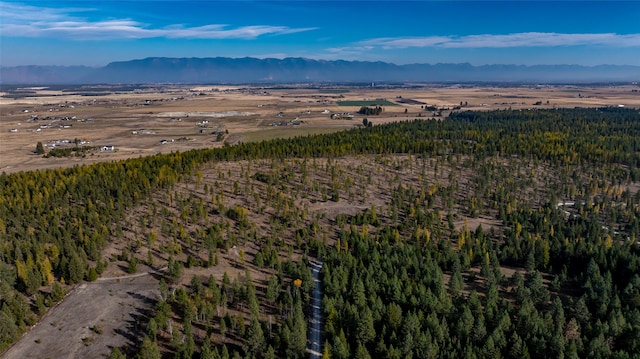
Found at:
<point>461,240</point>
<point>518,229</point>
<point>21,270</point>
<point>47,271</point>
<point>153,237</point>
<point>608,242</point>
<point>427,236</point>
<point>325,354</point>
<point>545,253</point>
<point>364,231</point>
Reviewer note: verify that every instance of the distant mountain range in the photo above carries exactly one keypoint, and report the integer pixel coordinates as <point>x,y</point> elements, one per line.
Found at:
<point>301,70</point>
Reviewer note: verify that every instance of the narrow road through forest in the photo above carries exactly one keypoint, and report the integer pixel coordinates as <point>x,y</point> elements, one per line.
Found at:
<point>159,271</point>
<point>314,346</point>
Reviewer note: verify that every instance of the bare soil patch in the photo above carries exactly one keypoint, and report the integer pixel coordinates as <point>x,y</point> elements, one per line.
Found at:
<point>94,318</point>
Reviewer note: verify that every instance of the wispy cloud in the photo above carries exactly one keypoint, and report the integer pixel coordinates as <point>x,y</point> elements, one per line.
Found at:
<point>525,39</point>
<point>32,21</point>
<point>405,42</point>
<point>348,51</point>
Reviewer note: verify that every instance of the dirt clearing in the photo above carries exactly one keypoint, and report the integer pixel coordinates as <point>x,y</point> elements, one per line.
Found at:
<point>94,318</point>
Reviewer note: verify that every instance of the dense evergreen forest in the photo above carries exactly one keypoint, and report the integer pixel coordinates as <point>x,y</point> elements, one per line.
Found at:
<point>408,272</point>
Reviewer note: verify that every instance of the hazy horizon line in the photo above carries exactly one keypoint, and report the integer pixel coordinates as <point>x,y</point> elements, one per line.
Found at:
<point>319,60</point>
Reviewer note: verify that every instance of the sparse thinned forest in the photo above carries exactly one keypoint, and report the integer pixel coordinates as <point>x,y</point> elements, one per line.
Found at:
<point>487,234</point>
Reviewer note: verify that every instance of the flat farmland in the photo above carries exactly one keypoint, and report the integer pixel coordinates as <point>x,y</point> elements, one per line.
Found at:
<point>376,102</point>
<point>146,121</point>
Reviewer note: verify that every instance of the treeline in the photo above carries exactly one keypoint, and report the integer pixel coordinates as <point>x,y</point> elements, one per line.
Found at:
<point>77,151</point>
<point>368,111</point>
<point>561,136</point>
<point>604,135</point>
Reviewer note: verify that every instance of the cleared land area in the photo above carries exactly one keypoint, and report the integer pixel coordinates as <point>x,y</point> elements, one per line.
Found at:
<point>94,318</point>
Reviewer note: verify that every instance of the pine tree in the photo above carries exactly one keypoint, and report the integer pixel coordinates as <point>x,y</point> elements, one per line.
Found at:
<point>39,148</point>
<point>149,349</point>
<point>255,340</point>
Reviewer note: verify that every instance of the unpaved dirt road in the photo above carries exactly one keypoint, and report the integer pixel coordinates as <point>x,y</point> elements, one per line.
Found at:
<point>92,320</point>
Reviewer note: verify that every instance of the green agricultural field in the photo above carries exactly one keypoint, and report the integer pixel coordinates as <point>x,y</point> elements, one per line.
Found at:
<point>376,102</point>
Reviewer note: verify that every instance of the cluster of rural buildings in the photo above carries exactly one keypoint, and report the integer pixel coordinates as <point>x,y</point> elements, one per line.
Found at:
<point>295,122</point>
<point>51,122</point>
<point>62,143</point>
<point>342,116</point>
<point>143,131</point>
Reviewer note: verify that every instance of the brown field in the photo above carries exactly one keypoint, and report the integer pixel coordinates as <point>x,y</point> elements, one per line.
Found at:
<point>186,117</point>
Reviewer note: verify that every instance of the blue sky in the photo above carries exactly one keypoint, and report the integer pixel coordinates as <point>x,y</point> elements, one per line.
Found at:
<point>95,33</point>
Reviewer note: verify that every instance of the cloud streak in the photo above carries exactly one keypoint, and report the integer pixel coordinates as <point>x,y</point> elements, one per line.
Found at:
<point>32,21</point>
<point>525,39</point>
